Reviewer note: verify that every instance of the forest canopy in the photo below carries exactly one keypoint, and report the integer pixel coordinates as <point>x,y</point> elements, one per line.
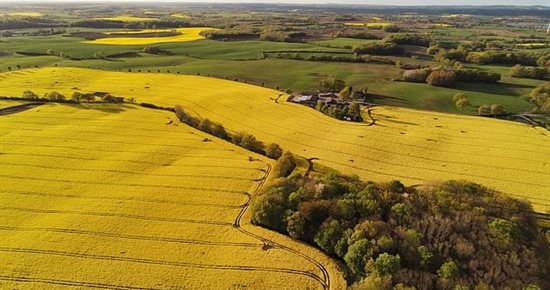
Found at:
<point>449,235</point>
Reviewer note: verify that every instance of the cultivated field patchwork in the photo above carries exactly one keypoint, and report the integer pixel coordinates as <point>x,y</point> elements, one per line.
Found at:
<point>410,145</point>
<point>123,197</point>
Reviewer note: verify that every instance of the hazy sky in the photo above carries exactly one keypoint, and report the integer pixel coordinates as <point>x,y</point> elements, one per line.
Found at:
<point>378,2</point>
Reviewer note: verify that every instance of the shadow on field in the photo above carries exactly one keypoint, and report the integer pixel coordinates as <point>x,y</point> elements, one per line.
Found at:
<point>507,89</point>
<point>392,119</point>
<point>103,107</point>
<point>387,100</point>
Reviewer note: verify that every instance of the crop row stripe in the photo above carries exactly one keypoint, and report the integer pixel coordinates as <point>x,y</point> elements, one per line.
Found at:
<point>119,184</point>
<point>131,237</point>
<point>160,262</point>
<point>118,215</point>
<point>132,199</point>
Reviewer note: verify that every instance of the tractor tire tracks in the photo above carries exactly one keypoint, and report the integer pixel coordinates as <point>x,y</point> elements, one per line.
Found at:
<point>324,280</point>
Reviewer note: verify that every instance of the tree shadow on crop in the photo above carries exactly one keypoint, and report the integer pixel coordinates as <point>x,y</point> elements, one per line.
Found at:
<point>387,100</point>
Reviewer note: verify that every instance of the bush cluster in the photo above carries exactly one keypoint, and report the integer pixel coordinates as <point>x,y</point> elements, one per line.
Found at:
<point>447,77</point>
<point>530,72</point>
<point>408,39</point>
<point>540,96</point>
<point>378,48</point>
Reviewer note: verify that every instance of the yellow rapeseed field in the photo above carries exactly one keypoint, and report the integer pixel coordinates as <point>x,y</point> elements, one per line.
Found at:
<point>369,24</point>
<point>139,31</point>
<point>128,18</point>
<point>186,34</point>
<point>443,25</point>
<point>180,15</point>
<point>9,103</point>
<point>533,45</point>
<point>26,14</point>
<point>123,197</point>
<point>410,145</point>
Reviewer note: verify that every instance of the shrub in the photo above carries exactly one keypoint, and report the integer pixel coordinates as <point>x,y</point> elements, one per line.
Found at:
<point>461,103</point>
<point>540,96</point>
<point>331,85</point>
<point>500,57</point>
<point>362,34</point>
<point>30,95</point>
<point>108,98</point>
<point>506,230</point>
<point>205,125</point>
<point>396,186</point>
<point>497,109</point>
<point>153,50</point>
<point>408,38</point>
<point>474,75</point>
<point>54,96</point>
<point>285,165</point>
<point>183,116</point>
<point>269,211</point>
<point>77,96</point>
<point>328,236</point>
<point>387,264</point>
<point>415,75</point>
<point>530,72</point>
<point>458,96</point>
<point>356,256</point>
<point>99,55</point>
<point>391,28</point>
<point>273,151</point>
<point>448,270</point>
<point>441,78</point>
<point>484,110</point>
<point>219,131</point>
<point>382,48</point>
<point>249,142</point>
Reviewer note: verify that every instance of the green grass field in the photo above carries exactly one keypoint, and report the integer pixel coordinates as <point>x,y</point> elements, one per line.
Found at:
<point>243,60</point>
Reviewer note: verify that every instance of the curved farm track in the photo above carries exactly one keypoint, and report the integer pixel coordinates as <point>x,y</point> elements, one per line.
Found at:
<point>324,280</point>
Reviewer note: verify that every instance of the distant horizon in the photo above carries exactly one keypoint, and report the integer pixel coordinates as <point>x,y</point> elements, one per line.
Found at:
<point>424,3</point>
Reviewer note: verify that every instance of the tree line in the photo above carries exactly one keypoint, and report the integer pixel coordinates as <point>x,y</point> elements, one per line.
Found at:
<point>530,72</point>
<point>242,139</point>
<point>446,77</point>
<point>76,97</point>
<point>477,53</point>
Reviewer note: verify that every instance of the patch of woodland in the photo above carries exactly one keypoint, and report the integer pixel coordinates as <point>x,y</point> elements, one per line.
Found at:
<point>448,235</point>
